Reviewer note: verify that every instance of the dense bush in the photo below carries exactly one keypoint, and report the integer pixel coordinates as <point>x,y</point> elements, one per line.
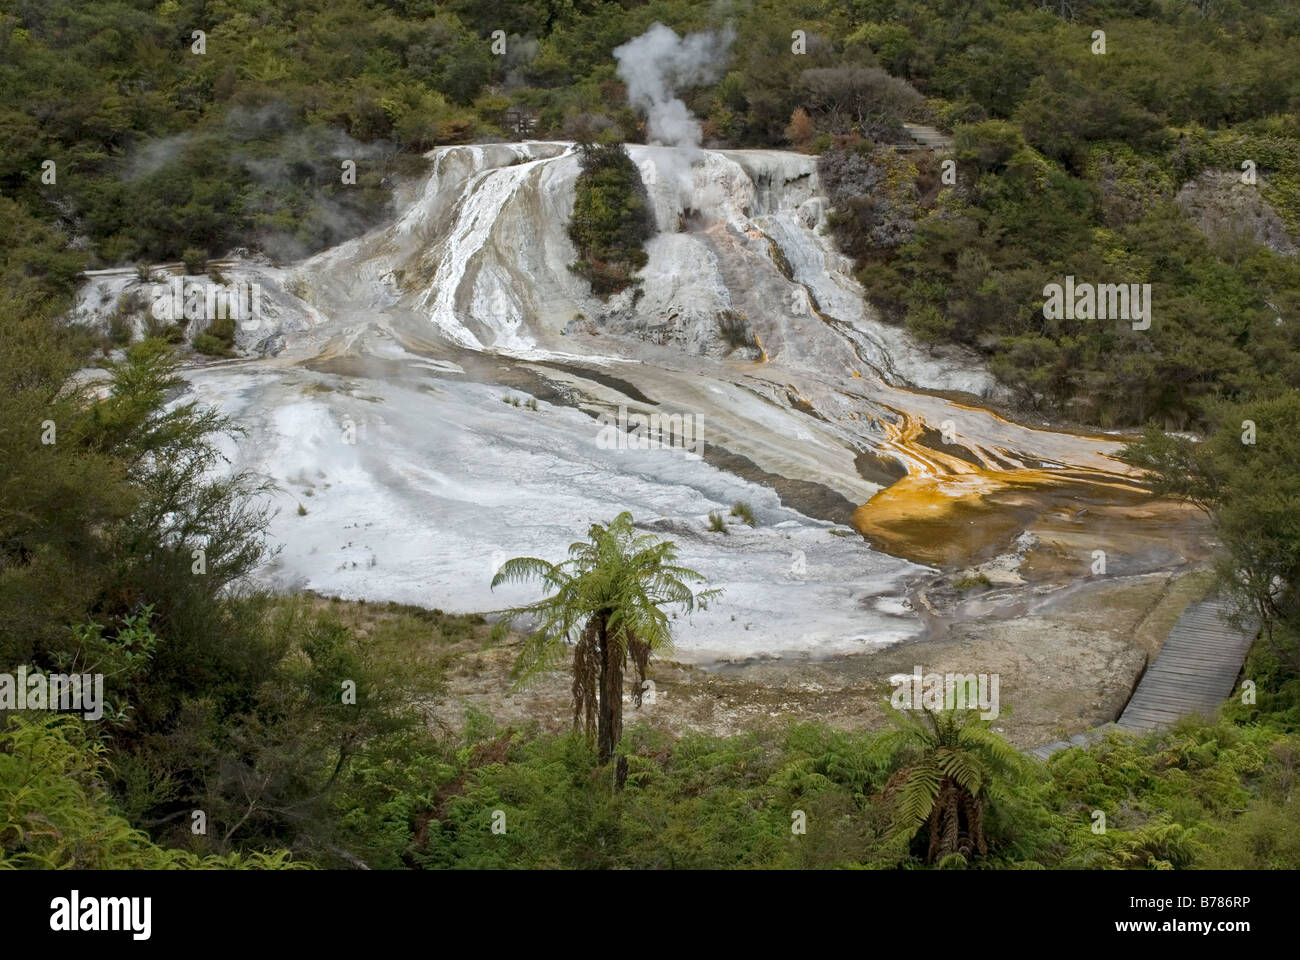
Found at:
<point>611,219</point>
<point>233,705</point>
<point>1067,160</point>
<point>874,195</point>
<point>981,255</point>
<point>56,815</point>
<point>1205,794</point>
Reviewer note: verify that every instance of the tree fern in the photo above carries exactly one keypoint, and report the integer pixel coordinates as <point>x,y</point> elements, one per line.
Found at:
<point>607,601</point>
<point>947,768</point>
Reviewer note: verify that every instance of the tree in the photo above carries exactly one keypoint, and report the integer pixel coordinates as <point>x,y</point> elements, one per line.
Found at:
<point>952,767</point>
<point>61,495</point>
<point>612,218</point>
<point>863,97</point>
<point>801,128</point>
<point>1244,476</point>
<point>608,600</point>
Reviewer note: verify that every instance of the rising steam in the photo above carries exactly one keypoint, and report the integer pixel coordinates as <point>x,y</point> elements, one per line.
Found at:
<point>657,64</point>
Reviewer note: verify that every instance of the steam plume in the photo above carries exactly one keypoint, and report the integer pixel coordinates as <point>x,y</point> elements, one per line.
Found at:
<point>656,64</point>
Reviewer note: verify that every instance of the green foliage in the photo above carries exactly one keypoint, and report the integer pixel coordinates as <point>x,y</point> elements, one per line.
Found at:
<point>1245,476</point>
<point>206,153</point>
<point>1170,800</point>
<point>1204,794</point>
<point>55,815</point>
<point>60,500</point>
<point>218,339</point>
<point>194,259</point>
<point>949,768</point>
<point>216,700</point>
<point>744,511</point>
<point>977,265</point>
<point>611,219</point>
<point>1068,163</point>
<point>691,803</point>
<point>224,700</point>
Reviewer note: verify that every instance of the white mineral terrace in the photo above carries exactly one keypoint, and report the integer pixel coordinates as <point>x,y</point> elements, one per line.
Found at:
<point>375,397</point>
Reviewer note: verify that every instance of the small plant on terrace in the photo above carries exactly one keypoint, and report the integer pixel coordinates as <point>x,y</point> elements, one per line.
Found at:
<point>744,511</point>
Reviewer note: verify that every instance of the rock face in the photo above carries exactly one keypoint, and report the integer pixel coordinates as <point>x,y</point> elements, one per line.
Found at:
<point>1222,206</point>
<point>479,259</point>
<point>740,263</point>
<point>257,298</point>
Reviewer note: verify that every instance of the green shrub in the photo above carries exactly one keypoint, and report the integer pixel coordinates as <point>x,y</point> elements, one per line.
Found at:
<point>194,260</point>
<point>744,511</point>
<point>210,346</point>
<point>218,340</point>
<point>611,218</point>
<point>56,815</point>
<point>119,328</point>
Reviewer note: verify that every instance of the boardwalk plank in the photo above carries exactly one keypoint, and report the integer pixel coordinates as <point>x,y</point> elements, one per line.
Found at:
<point>1194,672</point>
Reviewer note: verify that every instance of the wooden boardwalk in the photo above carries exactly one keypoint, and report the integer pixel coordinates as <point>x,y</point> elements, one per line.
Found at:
<point>1078,740</point>
<point>928,138</point>
<point>1194,672</point>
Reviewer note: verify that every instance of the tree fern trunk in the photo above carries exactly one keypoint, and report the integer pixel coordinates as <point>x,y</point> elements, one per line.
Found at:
<point>952,824</point>
<point>975,817</point>
<point>610,727</point>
